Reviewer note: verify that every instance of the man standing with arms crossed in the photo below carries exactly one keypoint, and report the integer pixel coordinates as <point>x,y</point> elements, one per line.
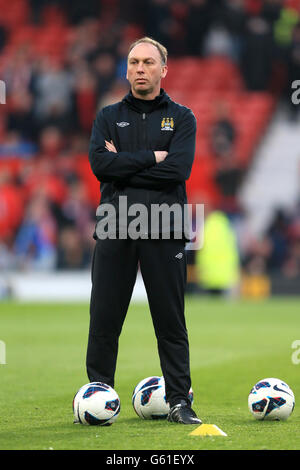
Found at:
<point>143,148</point>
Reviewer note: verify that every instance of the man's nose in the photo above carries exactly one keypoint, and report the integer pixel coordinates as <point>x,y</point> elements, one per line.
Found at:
<point>140,67</point>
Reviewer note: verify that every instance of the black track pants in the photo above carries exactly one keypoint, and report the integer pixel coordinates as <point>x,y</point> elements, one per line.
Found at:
<point>163,268</point>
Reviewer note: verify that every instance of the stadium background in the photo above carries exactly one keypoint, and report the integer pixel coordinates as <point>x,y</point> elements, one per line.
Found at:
<point>232,61</point>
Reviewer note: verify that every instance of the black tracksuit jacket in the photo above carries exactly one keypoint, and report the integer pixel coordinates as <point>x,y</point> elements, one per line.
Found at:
<point>138,128</point>
<point>136,134</point>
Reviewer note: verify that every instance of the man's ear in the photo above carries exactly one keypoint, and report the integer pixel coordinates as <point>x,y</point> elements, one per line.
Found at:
<point>164,71</point>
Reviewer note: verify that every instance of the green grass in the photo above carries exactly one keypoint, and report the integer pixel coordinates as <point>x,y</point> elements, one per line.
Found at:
<point>233,344</point>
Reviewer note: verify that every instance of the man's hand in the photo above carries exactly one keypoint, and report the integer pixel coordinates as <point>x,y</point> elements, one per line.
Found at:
<point>160,155</point>
<point>110,146</point>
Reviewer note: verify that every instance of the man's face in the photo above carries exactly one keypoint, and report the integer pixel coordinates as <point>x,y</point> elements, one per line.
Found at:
<point>145,71</point>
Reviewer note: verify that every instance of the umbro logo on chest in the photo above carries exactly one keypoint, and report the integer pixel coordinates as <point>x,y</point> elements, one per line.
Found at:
<point>123,124</point>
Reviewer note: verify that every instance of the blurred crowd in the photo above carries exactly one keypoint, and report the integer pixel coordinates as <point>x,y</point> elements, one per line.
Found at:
<point>278,250</point>
<point>47,213</point>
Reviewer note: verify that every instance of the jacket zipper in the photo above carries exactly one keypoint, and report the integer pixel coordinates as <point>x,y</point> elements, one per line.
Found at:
<point>144,127</point>
<point>144,130</point>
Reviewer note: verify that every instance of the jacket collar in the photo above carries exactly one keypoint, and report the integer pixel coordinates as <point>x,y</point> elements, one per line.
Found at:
<point>133,102</point>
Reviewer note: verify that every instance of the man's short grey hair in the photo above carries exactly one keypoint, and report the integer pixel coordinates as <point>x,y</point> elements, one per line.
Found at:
<point>161,49</point>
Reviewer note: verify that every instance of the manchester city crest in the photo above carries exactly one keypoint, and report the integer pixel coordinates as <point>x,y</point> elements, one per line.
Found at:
<point>167,124</point>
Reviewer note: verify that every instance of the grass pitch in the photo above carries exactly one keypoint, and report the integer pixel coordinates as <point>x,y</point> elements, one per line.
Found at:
<point>233,345</point>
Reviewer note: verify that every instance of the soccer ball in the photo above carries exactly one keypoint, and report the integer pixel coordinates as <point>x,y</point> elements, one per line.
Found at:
<point>96,403</point>
<point>149,398</point>
<point>271,399</point>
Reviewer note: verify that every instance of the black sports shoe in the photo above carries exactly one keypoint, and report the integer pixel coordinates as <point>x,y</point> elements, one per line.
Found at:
<point>183,413</point>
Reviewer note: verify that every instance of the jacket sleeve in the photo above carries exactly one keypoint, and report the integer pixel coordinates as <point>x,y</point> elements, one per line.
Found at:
<point>110,166</point>
<point>177,166</point>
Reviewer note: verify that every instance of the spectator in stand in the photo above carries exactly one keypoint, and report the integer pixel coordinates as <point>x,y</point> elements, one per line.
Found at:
<point>121,54</point>
<point>20,116</point>
<point>228,175</point>
<point>104,66</point>
<point>218,263</point>
<point>77,144</point>
<point>15,145</point>
<point>53,88</point>
<point>165,20</point>
<point>3,36</point>
<point>198,23</point>
<point>86,97</point>
<point>291,266</point>
<point>177,28</point>
<point>35,244</point>
<point>277,233</point>
<point>42,177</point>
<point>228,178</point>
<point>85,43</point>
<point>79,10</point>
<point>131,13</point>
<point>72,252</point>
<point>257,54</point>
<point>223,132</point>
<point>271,10</point>
<point>232,15</point>
<point>7,257</point>
<point>51,143</point>
<point>255,255</point>
<point>116,93</point>
<point>76,209</point>
<point>38,7</point>
<point>65,167</point>
<point>158,21</point>
<point>219,42</point>
<point>18,71</point>
<point>42,173</point>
